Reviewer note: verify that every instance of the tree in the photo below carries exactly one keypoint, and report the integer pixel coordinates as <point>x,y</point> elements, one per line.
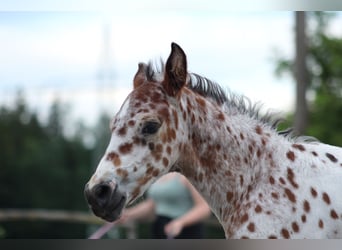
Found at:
<point>325,70</point>
<point>41,168</point>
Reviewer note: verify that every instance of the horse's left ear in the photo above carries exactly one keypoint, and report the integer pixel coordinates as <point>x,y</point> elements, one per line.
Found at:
<point>175,70</point>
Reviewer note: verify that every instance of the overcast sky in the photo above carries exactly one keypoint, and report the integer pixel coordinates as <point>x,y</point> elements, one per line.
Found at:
<point>62,55</point>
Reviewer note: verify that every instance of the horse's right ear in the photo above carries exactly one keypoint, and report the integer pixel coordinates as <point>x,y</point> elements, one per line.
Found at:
<point>140,76</point>
<point>175,70</point>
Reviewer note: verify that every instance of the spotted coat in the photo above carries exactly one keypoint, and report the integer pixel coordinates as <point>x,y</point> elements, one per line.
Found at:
<point>258,182</point>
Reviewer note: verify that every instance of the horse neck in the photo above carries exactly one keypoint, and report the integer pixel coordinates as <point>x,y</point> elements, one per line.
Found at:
<point>228,153</point>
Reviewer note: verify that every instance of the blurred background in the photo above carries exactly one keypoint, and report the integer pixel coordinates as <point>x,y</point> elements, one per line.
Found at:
<point>63,75</point>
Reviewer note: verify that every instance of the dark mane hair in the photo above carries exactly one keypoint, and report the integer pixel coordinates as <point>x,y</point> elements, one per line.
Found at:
<point>207,88</point>
<point>213,91</point>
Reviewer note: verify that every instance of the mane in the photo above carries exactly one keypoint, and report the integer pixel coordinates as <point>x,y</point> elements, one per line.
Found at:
<point>240,103</point>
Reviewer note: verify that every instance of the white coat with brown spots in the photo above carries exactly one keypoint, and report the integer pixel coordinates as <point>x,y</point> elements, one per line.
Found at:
<point>258,182</point>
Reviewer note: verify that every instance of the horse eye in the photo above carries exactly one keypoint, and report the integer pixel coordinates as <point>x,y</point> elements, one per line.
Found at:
<point>150,128</point>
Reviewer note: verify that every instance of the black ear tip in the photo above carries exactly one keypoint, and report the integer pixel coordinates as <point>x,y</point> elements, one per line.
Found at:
<point>175,46</point>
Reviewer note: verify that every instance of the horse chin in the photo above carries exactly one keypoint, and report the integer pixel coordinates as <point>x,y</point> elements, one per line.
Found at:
<point>111,212</point>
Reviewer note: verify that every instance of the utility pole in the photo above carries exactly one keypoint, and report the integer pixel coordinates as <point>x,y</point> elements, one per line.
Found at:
<point>301,73</point>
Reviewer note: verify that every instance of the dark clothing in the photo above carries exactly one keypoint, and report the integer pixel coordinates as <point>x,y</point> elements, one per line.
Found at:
<point>195,231</point>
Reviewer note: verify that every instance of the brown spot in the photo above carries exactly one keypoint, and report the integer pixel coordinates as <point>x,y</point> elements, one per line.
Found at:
<point>333,214</point>
<point>201,102</point>
<point>193,119</point>
<point>241,180</point>
<point>258,209</point>
<point>303,218</point>
<point>228,173</point>
<point>122,131</point>
<point>244,218</point>
<point>290,177</point>
<point>173,134</point>
<point>263,141</point>
<point>250,148</point>
<point>115,158</point>
<point>272,237</point>
<point>165,162</point>
<point>275,195</point>
<point>175,116</point>
<point>135,169</point>
<point>313,192</point>
<point>320,224</point>
<point>230,196</point>
<point>331,157</point>
<point>143,180</point>
<point>295,227</point>
<point>220,116</point>
<point>290,155</point>
<point>157,152</point>
<point>306,206</point>
<point>242,136</point>
<point>272,181</point>
<point>156,96</point>
<point>155,172</point>
<point>184,115</point>
<point>326,198</point>
<point>149,170</point>
<point>122,172</point>
<point>300,147</point>
<point>258,153</point>
<point>229,129</point>
<point>244,237</point>
<point>251,227</point>
<point>151,145</point>
<point>168,150</point>
<point>285,233</point>
<point>135,193</point>
<point>258,130</point>
<point>164,112</point>
<point>125,148</point>
<point>290,195</point>
<point>282,181</point>
<point>314,153</point>
<point>143,142</point>
<point>131,123</point>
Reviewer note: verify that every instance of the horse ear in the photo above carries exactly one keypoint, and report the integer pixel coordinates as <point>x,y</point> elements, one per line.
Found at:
<point>140,76</point>
<point>175,70</point>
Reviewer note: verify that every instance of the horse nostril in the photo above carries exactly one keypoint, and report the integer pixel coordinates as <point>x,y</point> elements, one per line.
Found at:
<point>102,193</point>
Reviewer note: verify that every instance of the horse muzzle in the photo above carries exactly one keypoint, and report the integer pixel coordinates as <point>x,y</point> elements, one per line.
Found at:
<point>105,200</point>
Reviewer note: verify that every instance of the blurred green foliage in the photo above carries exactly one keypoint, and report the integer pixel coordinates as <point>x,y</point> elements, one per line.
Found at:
<point>325,67</point>
<point>40,168</point>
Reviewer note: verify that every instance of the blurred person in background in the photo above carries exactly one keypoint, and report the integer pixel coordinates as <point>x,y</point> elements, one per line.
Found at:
<point>174,207</point>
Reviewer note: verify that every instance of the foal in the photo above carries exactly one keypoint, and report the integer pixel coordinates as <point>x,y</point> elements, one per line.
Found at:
<point>258,182</point>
